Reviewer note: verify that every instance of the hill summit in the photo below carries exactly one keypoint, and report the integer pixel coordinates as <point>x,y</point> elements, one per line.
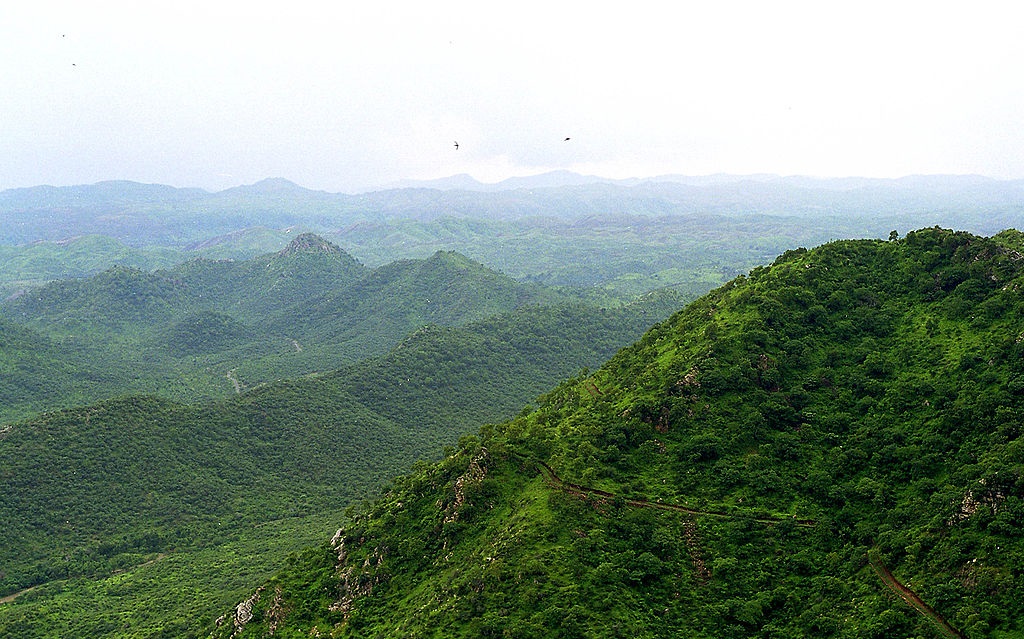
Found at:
<point>830,446</point>
<point>311,243</point>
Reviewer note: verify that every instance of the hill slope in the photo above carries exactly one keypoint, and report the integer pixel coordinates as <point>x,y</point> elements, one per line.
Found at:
<point>140,517</point>
<point>790,455</point>
<point>206,328</point>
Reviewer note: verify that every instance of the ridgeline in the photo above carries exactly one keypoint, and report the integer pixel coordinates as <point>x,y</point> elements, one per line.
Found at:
<point>862,399</point>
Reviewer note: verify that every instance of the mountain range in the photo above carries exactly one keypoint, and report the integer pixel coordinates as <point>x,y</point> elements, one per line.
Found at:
<point>144,214</point>
<point>627,237</point>
<point>196,391</point>
<point>168,437</point>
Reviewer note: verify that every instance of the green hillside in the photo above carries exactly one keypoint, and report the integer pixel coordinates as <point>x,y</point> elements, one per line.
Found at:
<point>250,288</point>
<point>207,329</point>
<point>141,517</point>
<point>40,262</point>
<point>36,371</point>
<point>830,447</point>
<point>269,284</point>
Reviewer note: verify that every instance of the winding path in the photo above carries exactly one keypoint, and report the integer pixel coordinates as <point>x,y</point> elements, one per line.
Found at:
<point>701,571</point>
<point>11,597</point>
<point>553,480</point>
<point>234,381</point>
<point>911,598</point>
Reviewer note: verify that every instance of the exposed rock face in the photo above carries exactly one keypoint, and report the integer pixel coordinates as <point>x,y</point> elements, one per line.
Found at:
<point>277,611</point>
<point>474,474</point>
<point>356,581</point>
<point>243,612</point>
<point>975,499</point>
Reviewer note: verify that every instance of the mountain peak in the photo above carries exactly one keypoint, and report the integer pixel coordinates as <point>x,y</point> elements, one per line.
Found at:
<point>271,185</point>
<point>311,243</point>
<point>452,258</point>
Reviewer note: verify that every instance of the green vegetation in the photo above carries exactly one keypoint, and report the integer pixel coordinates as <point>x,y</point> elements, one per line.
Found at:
<point>859,400</point>
<point>628,238</point>
<point>781,458</point>
<point>207,329</point>
<point>142,517</point>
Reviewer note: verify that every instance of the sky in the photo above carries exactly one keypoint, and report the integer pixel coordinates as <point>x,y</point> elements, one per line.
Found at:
<point>345,96</point>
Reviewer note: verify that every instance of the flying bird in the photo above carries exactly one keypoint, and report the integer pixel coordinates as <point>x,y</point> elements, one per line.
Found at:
<point>566,140</point>
<point>456,145</point>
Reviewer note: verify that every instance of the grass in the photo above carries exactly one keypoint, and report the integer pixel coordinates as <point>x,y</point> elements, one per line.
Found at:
<point>150,601</point>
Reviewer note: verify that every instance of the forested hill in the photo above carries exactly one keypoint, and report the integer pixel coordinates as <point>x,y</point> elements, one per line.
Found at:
<point>830,446</point>
<point>139,517</point>
<point>209,328</point>
<point>309,282</point>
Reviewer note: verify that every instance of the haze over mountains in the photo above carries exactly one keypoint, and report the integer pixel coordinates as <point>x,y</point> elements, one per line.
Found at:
<point>568,178</point>
<point>557,229</point>
<point>196,387</point>
<point>143,214</point>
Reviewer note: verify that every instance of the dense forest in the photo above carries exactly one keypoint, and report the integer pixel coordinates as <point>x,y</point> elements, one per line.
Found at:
<point>829,446</point>
<point>141,515</point>
<point>206,329</point>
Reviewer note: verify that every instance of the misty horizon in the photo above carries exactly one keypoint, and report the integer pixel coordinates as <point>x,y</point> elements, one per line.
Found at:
<point>357,98</point>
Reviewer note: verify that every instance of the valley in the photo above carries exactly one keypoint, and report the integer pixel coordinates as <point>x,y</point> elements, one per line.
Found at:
<point>264,460</point>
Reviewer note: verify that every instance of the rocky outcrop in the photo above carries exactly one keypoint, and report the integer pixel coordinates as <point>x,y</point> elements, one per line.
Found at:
<point>355,580</point>
<point>475,473</point>
<point>242,614</point>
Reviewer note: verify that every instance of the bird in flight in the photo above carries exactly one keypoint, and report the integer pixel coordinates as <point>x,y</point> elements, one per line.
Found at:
<point>456,145</point>
<point>566,139</point>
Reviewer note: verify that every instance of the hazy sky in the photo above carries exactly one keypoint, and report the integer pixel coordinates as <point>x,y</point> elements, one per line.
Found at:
<point>344,96</point>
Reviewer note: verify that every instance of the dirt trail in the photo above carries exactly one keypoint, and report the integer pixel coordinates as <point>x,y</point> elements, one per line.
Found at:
<point>553,480</point>
<point>142,565</point>
<point>234,381</point>
<point>11,597</point>
<point>909,596</point>
<point>701,571</point>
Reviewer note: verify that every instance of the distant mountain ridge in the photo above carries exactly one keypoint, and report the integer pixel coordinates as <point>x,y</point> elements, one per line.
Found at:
<point>555,179</point>
<point>157,214</point>
<point>555,229</point>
